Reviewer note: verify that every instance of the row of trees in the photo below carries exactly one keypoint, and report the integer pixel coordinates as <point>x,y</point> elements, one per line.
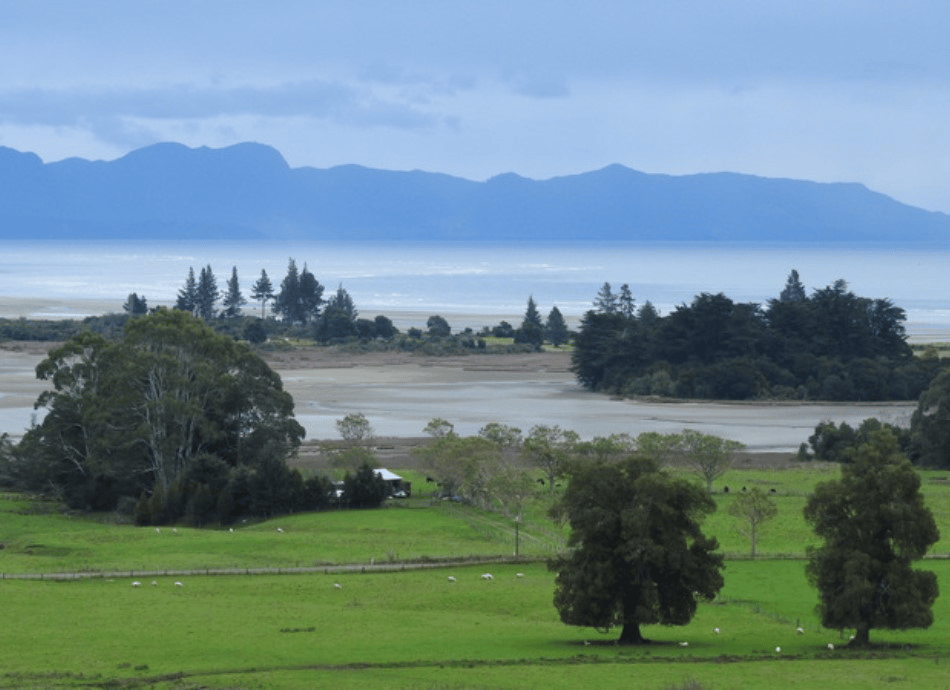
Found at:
<point>638,554</point>
<point>490,469</point>
<point>832,345</point>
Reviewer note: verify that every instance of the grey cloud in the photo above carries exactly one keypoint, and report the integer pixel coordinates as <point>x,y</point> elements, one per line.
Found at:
<point>94,108</point>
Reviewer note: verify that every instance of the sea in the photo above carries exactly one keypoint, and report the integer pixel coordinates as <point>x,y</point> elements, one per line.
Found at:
<point>474,284</point>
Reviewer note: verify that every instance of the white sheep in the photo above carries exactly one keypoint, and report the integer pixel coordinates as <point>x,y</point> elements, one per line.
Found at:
<point>451,579</point>
<point>800,631</point>
<point>280,530</point>
<point>178,584</point>
<point>684,644</point>
<point>778,649</point>
<point>520,575</point>
<point>154,583</point>
<point>488,576</point>
<point>717,631</point>
<point>136,584</point>
<point>337,585</point>
<point>831,647</point>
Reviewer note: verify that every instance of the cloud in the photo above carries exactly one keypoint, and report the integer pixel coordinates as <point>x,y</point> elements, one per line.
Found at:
<point>111,112</point>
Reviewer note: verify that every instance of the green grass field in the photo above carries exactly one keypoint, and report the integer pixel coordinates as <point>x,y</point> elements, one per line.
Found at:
<point>414,628</point>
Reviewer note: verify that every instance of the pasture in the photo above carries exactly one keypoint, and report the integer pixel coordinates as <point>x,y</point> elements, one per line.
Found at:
<point>414,628</point>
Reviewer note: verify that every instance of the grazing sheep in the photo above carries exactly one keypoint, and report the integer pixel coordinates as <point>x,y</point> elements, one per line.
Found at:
<point>520,575</point>
<point>717,631</point>
<point>451,579</point>
<point>178,584</point>
<point>778,649</point>
<point>154,583</point>
<point>488,576</point>
<point>158,531</point>
<point>800,631</point>
<point>337,585</point>
<point>831,647</point>
<point>136,584</point>
<point>279,529</point>
<point>684,644</point>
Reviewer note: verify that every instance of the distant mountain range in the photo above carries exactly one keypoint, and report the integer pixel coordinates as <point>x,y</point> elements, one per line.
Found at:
<point>247,191</point>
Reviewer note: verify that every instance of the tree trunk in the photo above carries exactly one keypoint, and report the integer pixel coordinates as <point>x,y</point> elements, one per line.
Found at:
<point>862,636</point>
<point>631,634</point>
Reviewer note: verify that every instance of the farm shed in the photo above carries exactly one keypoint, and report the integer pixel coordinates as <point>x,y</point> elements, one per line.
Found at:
<point>398,487</point>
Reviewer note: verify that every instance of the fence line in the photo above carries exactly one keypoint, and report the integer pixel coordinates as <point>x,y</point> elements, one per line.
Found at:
<point>325,569</point>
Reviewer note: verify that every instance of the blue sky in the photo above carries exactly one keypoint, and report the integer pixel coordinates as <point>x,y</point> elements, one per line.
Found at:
<point>826,90</point>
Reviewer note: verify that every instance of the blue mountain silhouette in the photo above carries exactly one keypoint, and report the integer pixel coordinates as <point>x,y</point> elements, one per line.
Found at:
<point>247,191</point>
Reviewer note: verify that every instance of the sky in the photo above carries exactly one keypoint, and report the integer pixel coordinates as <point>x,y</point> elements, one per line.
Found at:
<point>824,90</point>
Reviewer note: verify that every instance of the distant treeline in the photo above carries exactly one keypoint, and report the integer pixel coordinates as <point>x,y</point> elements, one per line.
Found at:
<point>831,345</point>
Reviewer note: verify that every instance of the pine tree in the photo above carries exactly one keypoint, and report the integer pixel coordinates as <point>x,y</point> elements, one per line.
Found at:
<point>556,329</point>
<point>206,297</point>
<point>262,291</point>
<point>188,295</point>
<point>626,302</point>
<point>793,291</point>
<point>532,330</point>
<point>606,302</point>
<point>233,299</point>
<point>286,303</point>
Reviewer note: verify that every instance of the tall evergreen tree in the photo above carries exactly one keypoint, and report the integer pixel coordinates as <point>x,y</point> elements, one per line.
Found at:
<point>207,295</point>
<point>626,302</point>
<point>606,301</point>
<point>262,291</point>
<point>342,301</point>
<point>311,295</point>
<point>532,329</point>
<point>233,299</point>
<point>135,305</point>
<point>793,291</point>
<point>188,295</point>
<point>555,330</point>
<point>287,301</point>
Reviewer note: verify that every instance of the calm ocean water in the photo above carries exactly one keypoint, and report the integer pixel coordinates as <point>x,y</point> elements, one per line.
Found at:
<point>482,279</point>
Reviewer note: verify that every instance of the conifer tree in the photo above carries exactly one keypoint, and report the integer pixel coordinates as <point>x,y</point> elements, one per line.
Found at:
<point>262,291</point>
<point>233,299</point>
<point>188,295</point>
<point>555,330</point>
<point>207,295</point>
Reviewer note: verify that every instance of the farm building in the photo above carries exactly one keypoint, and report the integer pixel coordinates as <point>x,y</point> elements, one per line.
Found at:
<point>398,487</point>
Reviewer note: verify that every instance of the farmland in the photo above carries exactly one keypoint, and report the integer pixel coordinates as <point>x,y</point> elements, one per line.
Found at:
<point>412,628</point>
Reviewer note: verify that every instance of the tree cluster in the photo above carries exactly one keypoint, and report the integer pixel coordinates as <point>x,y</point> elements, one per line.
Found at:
<point>173,422</point>
<point>832,345</point>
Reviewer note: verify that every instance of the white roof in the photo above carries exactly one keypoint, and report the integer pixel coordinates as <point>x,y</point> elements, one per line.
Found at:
<point>386,475</point>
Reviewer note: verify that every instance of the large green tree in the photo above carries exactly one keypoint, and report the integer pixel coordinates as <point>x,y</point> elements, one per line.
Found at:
<point>132,416</point>
<point>874,524</point>
<point>638,555</point>
<point>930,424</point>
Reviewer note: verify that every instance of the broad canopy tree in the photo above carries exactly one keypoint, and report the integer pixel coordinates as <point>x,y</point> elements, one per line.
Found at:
<point>638,555</point>
<point>874,524</point>
<point>134,416</point>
